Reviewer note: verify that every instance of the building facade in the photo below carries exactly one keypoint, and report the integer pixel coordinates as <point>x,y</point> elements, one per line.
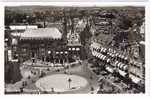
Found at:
<point>119,62</point>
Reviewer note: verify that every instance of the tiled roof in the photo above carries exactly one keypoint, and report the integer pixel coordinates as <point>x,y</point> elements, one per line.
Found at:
<point>40,33</point>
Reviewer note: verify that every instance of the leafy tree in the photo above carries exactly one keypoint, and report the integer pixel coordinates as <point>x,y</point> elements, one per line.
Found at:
<point>124,22</point>
<point>85,34</point>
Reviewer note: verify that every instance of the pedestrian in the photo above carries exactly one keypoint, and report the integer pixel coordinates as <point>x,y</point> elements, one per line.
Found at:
<point>29,77</point>
<point>21,90</point>
<point>65,72</point>
<point>92,89</point>
<point>52,89</point>
<point>91,77</point>
<point>31,72</point>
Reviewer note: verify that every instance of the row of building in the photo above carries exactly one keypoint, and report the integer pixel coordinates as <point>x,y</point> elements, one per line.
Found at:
<point>40,43</point>
<point>118,62</point>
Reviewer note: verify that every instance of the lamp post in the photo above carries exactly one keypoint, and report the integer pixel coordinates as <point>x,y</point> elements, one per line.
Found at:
<point>49,52</point>
<point>69,81</point>
<point>68,66</point>
<point>92,89</point>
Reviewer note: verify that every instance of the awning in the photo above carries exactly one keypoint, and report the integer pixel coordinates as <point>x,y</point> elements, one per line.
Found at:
<point>108,60</point>
<point>135,79</point>
<point>118,64</point>
<point>125,67</point>
<point>122,56</point>
<point>109,69</point>
<point>126,58</point>
<point>112,54</point>
<point>101,49</point>
<point>114,51</point>
<point>121,66</point>
<point>104,50</point>
<point>93,53</point>
<point>104,57</point>
<point>99,55</point>
<point>119,55</point>
<point>122,73</point>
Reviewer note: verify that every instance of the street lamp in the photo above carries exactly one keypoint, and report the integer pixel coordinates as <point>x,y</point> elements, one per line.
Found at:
<point>49,52</point>
<point>69,81</point>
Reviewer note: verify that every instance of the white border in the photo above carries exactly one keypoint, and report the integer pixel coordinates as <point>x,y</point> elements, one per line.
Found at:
<point>1,49</point>
<point>75,0</point>
<point>147,49</point>
<point>89,4</point>
<point>76,4</point>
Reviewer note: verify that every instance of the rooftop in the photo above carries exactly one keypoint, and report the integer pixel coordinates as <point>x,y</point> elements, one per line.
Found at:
<point>39,33</point>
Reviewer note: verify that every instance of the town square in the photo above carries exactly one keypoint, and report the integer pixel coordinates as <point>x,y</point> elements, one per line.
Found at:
<point>74,50</point>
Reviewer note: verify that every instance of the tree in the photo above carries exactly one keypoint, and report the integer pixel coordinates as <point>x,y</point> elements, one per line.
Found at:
<point>12,72</point>
<point>85,34</point>
<point>125,22</point>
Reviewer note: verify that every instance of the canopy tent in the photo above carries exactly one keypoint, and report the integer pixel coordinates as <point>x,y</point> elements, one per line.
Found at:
<point>135,79</point>
<point>122,73</point>
<point>109,69</point>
